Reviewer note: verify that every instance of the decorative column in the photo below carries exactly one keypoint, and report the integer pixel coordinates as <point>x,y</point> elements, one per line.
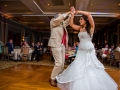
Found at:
<point>98,42</point>
<point>6,32</point>
<point>2,32</point>
<point>118,34</point>
<point>107,37</point>
<point>75,36</point>
<point>32,37</point>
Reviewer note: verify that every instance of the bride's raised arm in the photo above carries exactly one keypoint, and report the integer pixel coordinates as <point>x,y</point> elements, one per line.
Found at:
<point>75,27</point>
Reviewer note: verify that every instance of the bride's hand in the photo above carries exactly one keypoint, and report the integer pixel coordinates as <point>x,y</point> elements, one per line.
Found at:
<point>76,12</point>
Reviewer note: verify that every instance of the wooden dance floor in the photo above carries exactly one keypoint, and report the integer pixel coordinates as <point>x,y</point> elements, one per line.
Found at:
<point>35,77</point>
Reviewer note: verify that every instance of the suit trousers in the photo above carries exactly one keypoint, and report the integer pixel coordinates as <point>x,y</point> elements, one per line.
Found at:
<point>59,57</point>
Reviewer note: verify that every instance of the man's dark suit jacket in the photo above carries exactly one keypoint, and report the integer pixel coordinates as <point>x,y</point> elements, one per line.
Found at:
<point>10,47</point>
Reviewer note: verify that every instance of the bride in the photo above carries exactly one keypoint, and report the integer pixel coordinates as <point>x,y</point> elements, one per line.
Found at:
<point>85,72</point>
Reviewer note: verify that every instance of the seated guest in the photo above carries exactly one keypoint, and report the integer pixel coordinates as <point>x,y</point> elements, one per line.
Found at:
<point>111,51</point>
<point>74,46</point>
<point>105,51</point>
<point>42,48</point>
<point>10,46</point>
<point>21,44</point>
<point>118,48</point>
<point>66,54</point>
<point>41,44</point>
<point>25,44</point>
<point>69,48</point>
<point>36,51</point>
<point>33,44</point>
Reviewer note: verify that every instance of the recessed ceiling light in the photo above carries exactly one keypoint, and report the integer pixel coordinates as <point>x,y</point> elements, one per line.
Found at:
<point>48,4</point>
<point>91,4</point>
<point>119,4</point>
<point>5,5</point>
<point>69,4</point>
<point>24,17</point>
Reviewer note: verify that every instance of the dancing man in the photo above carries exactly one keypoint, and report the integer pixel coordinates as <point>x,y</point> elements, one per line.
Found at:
<point>58,41</point>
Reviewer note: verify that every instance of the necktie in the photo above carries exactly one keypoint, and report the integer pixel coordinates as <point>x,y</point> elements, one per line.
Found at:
<point>64,38</point>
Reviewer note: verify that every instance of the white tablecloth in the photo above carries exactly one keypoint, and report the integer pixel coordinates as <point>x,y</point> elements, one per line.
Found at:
<point>17,52</point>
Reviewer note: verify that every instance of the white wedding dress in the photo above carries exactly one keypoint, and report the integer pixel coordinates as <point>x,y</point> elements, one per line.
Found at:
<point>86,72</point>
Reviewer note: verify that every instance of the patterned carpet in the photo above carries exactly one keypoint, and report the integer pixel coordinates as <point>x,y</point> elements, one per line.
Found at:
<point>7,64</point>
<point>46,61</point>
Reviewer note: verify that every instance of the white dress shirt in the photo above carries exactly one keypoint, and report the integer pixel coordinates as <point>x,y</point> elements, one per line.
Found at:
<point>118,49</point>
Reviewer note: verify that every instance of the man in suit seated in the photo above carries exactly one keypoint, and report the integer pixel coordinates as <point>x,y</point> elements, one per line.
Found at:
<point>37,50</point>
<point>10,46</point>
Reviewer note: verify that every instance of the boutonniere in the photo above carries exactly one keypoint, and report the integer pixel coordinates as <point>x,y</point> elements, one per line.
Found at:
<point>61,23</point>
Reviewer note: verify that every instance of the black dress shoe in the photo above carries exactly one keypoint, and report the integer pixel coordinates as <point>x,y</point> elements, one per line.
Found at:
<point>53,82</point>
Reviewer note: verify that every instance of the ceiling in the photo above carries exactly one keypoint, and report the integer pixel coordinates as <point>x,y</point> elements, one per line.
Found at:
<point>37,13</point>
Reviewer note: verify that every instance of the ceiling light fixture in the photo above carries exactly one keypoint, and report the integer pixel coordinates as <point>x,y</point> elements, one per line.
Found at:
<point>91,4</point>
<point>119,4</point>
<point>69,4</point>
<point>48,4</point>
<point>5,5</point>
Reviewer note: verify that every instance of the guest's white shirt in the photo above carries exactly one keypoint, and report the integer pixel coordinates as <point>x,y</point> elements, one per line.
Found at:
<point>118,49</point>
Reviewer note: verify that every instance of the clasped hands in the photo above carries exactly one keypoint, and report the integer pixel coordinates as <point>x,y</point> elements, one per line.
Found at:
<point>72,10</point>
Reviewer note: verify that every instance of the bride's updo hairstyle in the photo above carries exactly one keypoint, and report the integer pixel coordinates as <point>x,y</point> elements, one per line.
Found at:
<point>87,24</point>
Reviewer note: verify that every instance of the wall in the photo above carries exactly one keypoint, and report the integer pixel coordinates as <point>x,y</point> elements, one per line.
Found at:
<point>110,34</point>
<point>10,29</point>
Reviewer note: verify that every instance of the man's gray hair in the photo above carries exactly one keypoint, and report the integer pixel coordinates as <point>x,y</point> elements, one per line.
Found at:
<point>56,15</point>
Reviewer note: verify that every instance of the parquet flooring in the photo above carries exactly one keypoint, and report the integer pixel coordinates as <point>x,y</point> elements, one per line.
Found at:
<point>35,77</point>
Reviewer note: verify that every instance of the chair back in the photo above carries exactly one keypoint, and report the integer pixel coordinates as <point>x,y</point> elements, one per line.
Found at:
<point>117,54</point>
<point>101,52</point>
<point>4,49</point>
<point>108,55</point>
<point>25,50</point>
